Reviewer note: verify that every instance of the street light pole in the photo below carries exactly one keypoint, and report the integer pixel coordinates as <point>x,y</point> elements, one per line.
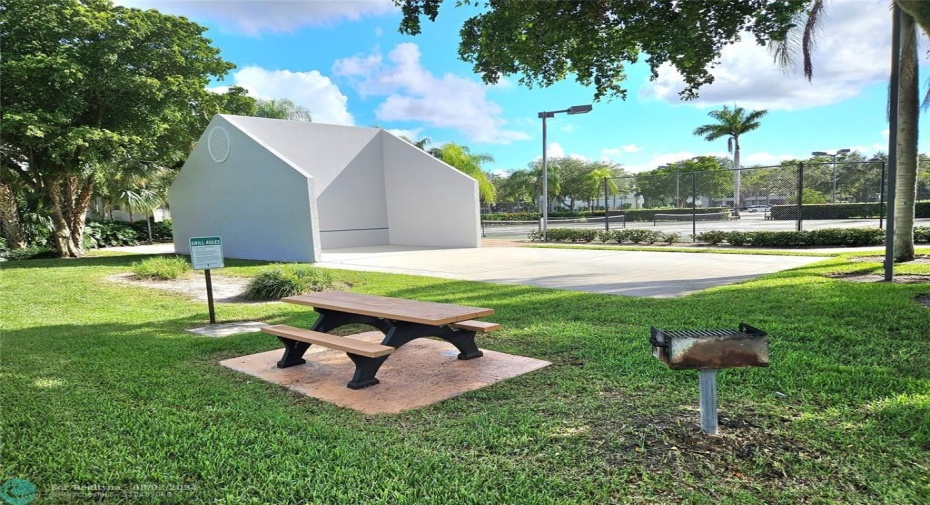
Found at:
<point>833,158</point>
<point>575,109</point>
<point>545,176</point>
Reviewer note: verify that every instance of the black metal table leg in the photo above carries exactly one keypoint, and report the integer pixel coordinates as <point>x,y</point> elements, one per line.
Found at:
<point>463,340</point>
<point>365,370</point>
<point>293,352</point>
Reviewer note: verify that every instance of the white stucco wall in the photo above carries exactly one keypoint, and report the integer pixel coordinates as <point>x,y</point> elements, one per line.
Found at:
<point>428,202</point>
<point>255,201</point>
<point>287,189</point>
<point>353,208</point>
<point>345,163</point>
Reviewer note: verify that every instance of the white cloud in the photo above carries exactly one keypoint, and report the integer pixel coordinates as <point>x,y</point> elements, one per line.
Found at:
<point>765,158</point>
<point>615,153</point>
<point>379,32</point>
<point>310,89</point>
<point>555,150</point>
<point>253,17</point>
<point>662,159</point>
<point>568,128</point>
<point>416,94</point>
<point>851,53</point>
<point>611,154</point>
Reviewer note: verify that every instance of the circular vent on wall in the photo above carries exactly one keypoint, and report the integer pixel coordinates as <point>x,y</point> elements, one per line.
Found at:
<point>218,144</point>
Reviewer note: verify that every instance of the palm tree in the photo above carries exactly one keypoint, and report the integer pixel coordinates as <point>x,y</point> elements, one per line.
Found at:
<point>422,144</point>
<point>731,123</point>
<point>462,159</point>
<point>913,13</point>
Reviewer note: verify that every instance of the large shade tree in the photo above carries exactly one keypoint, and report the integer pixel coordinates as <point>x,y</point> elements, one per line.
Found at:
<point>730,124</point>
<point>86,86</point>
<point>544,42</point>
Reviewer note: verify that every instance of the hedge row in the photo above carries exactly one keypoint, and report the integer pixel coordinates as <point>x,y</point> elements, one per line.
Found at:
<point>846,237</point>
<point>839,211</point>
<point>631,235</point>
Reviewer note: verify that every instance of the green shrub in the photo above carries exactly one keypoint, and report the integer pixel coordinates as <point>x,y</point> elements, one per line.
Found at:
<point>619,236</point>
<point>108,234</point>
<point>849,237</point>
<point>712,237</point>
<point>640,235</point>
<point>586,235</point>
<point>534,235</point>
<point>922,234</point>
<point>161,231</point>
<point>278,281</point>
<point>737,238</point>
<point>30,253</point>
<point>161,267</point>
<point>669,238</point>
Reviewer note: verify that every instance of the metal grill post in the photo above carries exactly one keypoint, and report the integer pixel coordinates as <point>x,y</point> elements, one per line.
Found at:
<point>708,401</point>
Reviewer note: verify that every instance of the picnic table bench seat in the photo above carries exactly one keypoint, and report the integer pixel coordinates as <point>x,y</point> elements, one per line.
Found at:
<point>347,344</point>
<point>479,326</point>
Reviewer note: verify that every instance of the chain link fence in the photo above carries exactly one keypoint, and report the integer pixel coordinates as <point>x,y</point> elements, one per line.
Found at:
<point>786,197</point>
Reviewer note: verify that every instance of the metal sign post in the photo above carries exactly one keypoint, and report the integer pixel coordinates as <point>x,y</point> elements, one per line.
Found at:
<point>206,254</point>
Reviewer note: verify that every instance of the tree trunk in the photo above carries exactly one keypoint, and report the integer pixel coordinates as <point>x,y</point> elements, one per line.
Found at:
<point>70,197</point>
<point>908,111</point>
<point>10,226</point>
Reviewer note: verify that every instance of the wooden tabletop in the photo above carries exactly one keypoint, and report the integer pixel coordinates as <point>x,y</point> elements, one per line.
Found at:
<point>399,309</point>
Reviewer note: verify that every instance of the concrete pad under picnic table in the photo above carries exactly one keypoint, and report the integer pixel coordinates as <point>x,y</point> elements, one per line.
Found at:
<point>616,272</point>
<point>419,373</point>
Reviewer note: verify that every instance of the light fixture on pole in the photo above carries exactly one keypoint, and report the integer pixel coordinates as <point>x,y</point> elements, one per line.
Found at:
<point>833,157</point>
<point>575,109</point>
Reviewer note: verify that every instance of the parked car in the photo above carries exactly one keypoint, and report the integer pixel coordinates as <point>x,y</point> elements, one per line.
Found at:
<point>759,208</point>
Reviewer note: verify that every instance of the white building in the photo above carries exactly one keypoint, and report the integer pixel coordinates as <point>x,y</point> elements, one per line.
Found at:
<point>284,190</point>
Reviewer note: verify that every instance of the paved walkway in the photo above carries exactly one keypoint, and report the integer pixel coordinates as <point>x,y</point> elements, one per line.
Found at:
<point>630,273</point>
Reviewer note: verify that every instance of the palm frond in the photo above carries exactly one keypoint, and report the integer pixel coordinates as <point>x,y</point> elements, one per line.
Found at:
<point>808,42</point>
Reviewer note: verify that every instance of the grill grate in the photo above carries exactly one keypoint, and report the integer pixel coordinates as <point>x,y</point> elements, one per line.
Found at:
<point>702,333</point>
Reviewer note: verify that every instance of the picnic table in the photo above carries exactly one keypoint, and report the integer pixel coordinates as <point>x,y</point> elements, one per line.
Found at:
<point>400,320</point>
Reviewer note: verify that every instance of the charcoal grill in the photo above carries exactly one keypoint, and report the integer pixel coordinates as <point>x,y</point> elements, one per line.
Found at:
<point>709,351</point>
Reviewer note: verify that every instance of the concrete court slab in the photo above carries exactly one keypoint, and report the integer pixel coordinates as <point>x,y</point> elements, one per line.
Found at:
<point>420,373</point>
<point>628,273</point>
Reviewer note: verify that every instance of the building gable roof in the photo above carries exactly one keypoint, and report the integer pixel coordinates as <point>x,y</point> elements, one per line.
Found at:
<point>320,151</point>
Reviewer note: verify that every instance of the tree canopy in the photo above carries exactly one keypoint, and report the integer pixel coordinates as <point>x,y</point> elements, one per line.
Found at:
<point>671,185</point>
<point>86,86</point>
<point>533,39</point>
<point>282,108</point>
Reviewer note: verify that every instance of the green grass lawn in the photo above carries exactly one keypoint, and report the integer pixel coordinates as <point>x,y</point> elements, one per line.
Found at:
<point>106,398</point>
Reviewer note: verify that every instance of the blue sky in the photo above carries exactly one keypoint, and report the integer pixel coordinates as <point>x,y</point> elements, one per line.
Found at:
<point>346,62</point>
